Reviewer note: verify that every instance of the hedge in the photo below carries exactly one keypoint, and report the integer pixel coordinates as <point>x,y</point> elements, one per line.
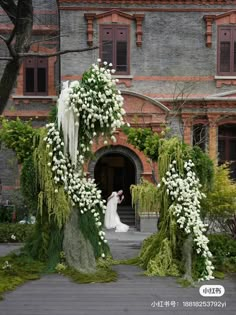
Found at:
<point>14,232</point>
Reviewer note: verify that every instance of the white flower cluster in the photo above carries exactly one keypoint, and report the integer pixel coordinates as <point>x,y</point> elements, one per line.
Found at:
<point>13,237</point>
<point>94,106</point>
<point>82,192</point>
<point>6,265</point>
<point>185,193</point>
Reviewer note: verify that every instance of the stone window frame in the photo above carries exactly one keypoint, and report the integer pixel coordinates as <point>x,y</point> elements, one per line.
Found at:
<point>227,19</point>
<point>230,32</point>
<point>115,38</point>
<point>116,17</point>
<point>19,94</point>
<point>35,63</point>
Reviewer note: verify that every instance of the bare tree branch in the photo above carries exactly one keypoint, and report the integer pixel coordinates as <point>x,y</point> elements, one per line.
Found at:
<point>24,25</point>
<point>46,39</point>
<point>3,38</point>
<point>6,58</point>
<point>57,53</point>
<point>10,8</point>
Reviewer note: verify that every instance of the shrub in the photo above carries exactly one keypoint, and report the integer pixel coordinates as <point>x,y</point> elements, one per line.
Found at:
<point>220,203</point>
<point>18,136</point>
<point>6,213</point>
<point>223,249</point>
<point>13,213</point>
<point>14,233</point>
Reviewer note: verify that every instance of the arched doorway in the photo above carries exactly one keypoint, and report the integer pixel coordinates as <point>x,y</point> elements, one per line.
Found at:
<point>227,146</point>
<point>116,168</point>
<point>112,173</point>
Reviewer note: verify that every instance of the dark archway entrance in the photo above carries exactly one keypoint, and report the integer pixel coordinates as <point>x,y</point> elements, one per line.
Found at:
<point>114,171</point>
<point>227,146</point>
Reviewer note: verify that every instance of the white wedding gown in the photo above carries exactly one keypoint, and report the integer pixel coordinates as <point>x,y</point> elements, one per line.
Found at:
<point>112,219</point>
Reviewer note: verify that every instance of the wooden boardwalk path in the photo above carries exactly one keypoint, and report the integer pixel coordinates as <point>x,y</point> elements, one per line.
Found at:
<point>132,294</point>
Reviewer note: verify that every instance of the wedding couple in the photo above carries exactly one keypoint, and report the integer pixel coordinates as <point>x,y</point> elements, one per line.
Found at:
<point>112,219</point>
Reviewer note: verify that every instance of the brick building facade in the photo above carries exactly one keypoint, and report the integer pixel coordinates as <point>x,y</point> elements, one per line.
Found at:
<point>176,65</point>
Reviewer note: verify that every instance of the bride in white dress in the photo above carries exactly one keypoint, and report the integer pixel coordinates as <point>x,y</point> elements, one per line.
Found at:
<point>112,219</point>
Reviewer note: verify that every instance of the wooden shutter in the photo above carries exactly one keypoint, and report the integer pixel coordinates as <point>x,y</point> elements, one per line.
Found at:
<point>224,51</point>
<point>42,75</point>
<point>29,75</point>
<point>234,46</point>
<point>227,51</point>
<point>35,76</point>
<point>114,43</point>
<point>107,44</point>
<point>121,36</point>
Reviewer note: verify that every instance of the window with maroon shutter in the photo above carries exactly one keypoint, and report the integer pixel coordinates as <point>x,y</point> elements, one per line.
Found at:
<point>115,47</point>
<point>35,76</point>
<point>227,147</point>
<point>227,51</point>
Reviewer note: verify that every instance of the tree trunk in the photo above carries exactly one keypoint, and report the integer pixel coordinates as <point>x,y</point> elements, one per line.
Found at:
<point>8,81</point>
<point>187,258</point>
<point>22,17</point>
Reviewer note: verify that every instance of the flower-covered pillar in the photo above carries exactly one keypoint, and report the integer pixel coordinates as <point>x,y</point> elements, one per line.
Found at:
<point>70,205</point>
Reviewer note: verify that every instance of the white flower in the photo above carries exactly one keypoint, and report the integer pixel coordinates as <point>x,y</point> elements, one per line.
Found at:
<point>13,237</point>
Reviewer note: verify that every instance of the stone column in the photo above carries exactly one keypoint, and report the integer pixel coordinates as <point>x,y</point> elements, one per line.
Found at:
<point>213,138</point>
<point>187,121</point>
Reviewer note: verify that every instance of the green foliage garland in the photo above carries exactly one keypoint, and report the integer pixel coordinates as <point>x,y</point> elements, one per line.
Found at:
<point>91,232</point>
<point>51,196</point>
<point>145,140</point>
<point>45,243</point>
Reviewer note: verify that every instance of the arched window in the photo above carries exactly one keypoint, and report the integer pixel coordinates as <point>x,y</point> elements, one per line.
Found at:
<point>200,136</point>
<point>227,146</point>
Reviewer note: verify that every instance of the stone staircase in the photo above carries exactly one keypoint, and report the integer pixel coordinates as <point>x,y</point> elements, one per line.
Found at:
<point>127,215</point>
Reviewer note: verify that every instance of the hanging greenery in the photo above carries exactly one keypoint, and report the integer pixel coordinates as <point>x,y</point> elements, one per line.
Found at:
<point>175,167</point>
<point>145,197</point>
<point>163,264</point>
<point>28,184</point>
<point>51,195</point>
